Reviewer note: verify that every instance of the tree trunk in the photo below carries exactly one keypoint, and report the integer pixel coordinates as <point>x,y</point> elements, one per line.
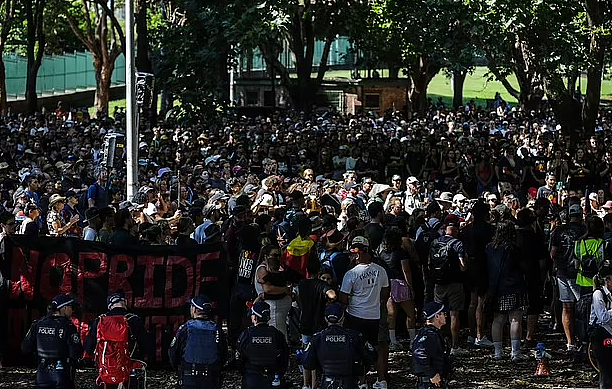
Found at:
<point>458,81</point>
<point>394,72</point>
<point>104,72</point>
<point>3,98</point>
<point>30,95</point>
<point>566,109</point>
<point>594,72</point>
<point>423,71</point>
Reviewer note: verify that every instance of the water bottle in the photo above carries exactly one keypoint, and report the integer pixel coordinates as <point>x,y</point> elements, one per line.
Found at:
<point>59,366</point>
<point>276,381</point>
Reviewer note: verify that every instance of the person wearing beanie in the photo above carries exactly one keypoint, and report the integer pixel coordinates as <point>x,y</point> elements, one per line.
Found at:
<point>199,348</point>
<point>56,343</point>
<point>263,352</point>
<point>339,352</point>
<point>431,359</point>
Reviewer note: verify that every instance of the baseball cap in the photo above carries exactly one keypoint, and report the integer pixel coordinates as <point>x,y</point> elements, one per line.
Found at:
<point>334,312</point>
<point>575,210</point>
<point>412,180</point>
<point>593,196</point>
<point>359,243</point>
<point>431,309</point>
<point>201,302</point>
<point>60,301</point>
<point>114,299</point>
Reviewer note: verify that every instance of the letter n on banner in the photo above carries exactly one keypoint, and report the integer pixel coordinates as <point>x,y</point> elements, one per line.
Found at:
<point>23,272</point>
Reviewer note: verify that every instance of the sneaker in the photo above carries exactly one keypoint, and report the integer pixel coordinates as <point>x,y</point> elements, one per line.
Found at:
<point>363,386</point>
<point>519,358</point>
<point>395,347</point>
<point>459,352</point>
<point>483,342</point>
<point>305,387</point>
<point>380,385</point>
<point>498,357</point>
<point>471,340</point>
<point>572,348</point>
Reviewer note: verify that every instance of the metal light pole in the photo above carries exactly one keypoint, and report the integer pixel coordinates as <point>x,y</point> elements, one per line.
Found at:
<point>131,129</point>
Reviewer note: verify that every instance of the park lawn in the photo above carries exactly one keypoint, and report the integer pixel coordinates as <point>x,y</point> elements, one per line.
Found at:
<point>477,87</point>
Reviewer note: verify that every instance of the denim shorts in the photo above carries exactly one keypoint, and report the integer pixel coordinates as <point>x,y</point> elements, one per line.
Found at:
<point>569,292</point>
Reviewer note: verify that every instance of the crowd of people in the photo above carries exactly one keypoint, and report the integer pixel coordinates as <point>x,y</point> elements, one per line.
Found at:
<point>500,213</point>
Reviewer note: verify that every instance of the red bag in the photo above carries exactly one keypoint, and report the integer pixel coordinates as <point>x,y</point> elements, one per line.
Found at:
<point>112,355</point>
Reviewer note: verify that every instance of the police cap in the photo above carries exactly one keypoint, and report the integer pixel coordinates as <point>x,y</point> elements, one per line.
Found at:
<point>334,312</point>
<point>202,303</point>
<point>261,309</point>
<point>114,299</point>
<point>60,301</point>
<point>431,309</point>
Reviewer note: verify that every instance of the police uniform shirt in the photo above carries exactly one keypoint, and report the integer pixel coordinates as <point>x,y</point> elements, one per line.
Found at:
<point>182,341</point>
<point>429,353</point>
<point>337,351</point>
<point>54,338</point>
<point>262,348</point>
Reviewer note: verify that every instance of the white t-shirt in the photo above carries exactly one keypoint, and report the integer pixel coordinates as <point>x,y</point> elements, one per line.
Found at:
<point>363,284</point>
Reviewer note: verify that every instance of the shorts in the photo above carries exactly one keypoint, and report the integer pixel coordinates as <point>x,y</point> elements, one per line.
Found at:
<point>400,291</point>
<point>368,328</point>
<point>512,302</point>
<point>383,326</point>
<point>569,292</point>
<point>451,295</point>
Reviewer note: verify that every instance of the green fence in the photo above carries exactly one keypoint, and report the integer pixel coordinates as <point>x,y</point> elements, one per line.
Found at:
<point>58,74</point>
<point>339,55</point>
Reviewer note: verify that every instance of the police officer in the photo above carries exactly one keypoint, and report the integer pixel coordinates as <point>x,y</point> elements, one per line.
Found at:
<point>262,351</point>
<point>117,305</point>
<point>199,348</point>
<point>429,352</point>
<point>339,352</point>
<point>56,342</point>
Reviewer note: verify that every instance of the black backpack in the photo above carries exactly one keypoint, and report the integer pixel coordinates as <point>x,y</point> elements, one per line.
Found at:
<point>440,256</point>
<point>567,239</point>
<point>588,261</point>
<point>425,239</point>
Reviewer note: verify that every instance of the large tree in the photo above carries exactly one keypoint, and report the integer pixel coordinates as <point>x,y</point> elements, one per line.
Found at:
<point>102,34</point>
<point>7,17</point>
<point>35,47</point>
<point>267,25</point>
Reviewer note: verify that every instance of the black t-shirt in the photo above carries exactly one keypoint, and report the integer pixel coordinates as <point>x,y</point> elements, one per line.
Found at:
<point>312,298</point>
<point>394,263</point>
<point>374,232</point>
<point>563,238</point>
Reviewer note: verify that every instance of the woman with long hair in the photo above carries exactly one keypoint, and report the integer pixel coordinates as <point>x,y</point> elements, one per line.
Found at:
<point>400,276</point>
<point>274,287</point>
<point>601,320</point>
<point>507,288</point>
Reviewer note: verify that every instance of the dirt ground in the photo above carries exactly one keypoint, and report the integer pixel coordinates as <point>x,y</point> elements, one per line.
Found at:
<point>479,370</point>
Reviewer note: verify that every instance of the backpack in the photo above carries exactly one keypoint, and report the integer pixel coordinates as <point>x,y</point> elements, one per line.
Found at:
<point>425,239</point>
<point>440,260</point>
<point>112,355</point>
<point>203,338</point>
<point>567,240</point>
<point>588,261</point>
<point>327,262</point>
<point>83,204</point>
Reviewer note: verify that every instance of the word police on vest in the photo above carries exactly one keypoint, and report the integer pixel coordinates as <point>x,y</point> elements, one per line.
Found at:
<point>261,340</point>
<point>261,309</point>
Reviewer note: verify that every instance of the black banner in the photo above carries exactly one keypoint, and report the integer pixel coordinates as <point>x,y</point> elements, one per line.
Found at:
<point>158,282</point>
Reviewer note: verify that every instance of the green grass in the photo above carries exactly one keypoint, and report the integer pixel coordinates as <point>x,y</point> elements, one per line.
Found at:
<point>477,87</point>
